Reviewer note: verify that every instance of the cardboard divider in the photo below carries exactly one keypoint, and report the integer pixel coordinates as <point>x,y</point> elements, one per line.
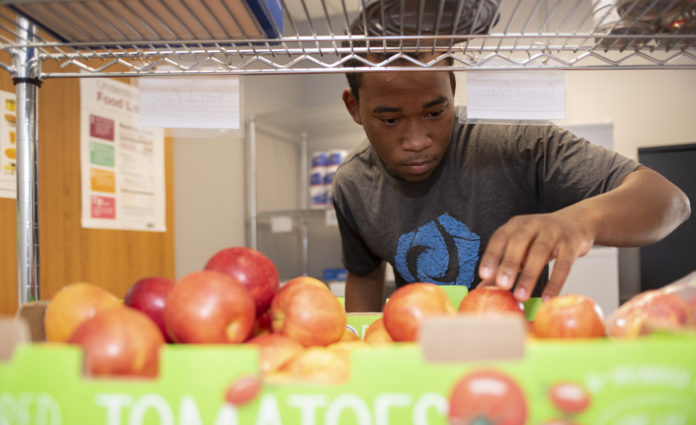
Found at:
<point>33,314</point>
<point>13,332</point>
<point>465,338</point>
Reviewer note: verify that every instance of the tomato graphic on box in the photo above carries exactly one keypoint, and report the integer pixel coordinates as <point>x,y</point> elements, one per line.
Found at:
<point>487,396</point>
<point>569,397</point>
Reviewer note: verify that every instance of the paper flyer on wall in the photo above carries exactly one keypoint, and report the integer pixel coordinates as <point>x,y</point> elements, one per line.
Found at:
<point>122,164</point>
<point>8,145</point>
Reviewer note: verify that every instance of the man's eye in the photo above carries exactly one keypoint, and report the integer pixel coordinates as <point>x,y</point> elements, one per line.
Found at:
<point>389,121</point>
<point>435,114</point>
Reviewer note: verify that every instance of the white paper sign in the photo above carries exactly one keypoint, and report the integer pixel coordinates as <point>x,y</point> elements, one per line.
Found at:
<point>122,164</point>
<point>330,217</point>
<point>8,145</point>
<point>190,102</point>
<point>281,224</point>
<point>518,95</point>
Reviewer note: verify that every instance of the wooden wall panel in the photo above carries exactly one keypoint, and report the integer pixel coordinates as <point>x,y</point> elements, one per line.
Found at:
<point>8,228</point>
<point>68,253</point>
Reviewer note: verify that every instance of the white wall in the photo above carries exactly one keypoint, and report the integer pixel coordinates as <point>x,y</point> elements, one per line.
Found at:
<point>209,177</point>
<point>646,108</point>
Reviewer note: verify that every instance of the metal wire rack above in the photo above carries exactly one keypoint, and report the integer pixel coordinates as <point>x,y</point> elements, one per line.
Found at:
<point>141,37</point>
<point>78,38</point>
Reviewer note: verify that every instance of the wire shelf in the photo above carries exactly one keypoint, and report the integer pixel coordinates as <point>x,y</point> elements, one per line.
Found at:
<point>78,38</point>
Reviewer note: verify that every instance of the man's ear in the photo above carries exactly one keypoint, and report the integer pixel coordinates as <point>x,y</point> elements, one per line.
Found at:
<point>351,105</point>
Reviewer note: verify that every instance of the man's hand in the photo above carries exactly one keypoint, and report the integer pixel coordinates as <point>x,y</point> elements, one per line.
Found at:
<point>642,210</point>
<point>526,243</point>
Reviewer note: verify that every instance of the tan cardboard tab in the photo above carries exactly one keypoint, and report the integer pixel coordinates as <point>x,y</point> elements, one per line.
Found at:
<point>13,331</point>
<point>464,338</point>
<point>33,314</point>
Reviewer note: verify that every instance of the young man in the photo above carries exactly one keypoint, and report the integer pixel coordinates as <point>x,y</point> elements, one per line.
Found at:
<point>448,201</point>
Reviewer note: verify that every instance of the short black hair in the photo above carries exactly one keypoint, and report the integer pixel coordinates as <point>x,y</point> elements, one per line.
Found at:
<point>355,78</point>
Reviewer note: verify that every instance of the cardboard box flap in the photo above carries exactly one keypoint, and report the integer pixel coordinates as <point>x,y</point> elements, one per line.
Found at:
<point>13,331</point>
<point>33,314</point>
<point>464,338</point>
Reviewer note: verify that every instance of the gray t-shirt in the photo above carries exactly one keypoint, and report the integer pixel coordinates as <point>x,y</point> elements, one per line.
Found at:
<point>436,230</point>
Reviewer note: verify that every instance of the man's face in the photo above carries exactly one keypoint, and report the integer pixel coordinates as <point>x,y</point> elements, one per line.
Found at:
<point>408,117</point>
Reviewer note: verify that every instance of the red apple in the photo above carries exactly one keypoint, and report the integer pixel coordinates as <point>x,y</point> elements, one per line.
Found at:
<point>308,314</point>
<point>209,307</point>
<point>487,299</point>
<point>349,335</point>
<point>251,268</point>
<point>376,333</point>
<point>319,364</point>
<point>487,396</point>
<point>408,305</point>
<point>301,280</point>
<point>647,311</point>
<point>262,324</point>
<point>275,350</point>
<point>147,295</point>
<point>119,341</point>
<point>74,304</point>
<point>569,316</point>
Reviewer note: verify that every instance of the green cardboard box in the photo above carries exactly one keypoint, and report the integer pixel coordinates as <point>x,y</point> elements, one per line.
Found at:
<point>647,381</point>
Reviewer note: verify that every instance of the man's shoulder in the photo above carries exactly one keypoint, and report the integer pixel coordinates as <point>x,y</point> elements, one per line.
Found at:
<point>358,159</point>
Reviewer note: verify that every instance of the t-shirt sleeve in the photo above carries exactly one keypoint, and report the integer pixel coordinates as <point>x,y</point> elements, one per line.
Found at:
<point>356,255</point>
<point>568,168</point>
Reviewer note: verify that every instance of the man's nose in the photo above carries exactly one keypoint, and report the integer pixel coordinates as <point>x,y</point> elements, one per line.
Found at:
<point>416,137</point>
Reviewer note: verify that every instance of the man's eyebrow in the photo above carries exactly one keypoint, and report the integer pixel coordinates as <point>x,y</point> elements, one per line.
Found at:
<point>437,101</point>
<point>381,109</point>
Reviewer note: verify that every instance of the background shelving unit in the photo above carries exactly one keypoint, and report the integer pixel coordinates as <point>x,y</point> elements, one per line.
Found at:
<point>41,39</point>
<point>308,130</point>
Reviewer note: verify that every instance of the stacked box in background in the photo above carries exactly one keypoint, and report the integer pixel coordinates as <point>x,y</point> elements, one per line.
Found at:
<point>324,166</point>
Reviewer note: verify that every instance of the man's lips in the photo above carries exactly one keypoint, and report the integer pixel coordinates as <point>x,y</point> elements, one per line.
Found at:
<point>417,167</point>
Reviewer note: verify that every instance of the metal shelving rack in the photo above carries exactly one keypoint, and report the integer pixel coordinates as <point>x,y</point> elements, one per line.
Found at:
<point>44,39</point>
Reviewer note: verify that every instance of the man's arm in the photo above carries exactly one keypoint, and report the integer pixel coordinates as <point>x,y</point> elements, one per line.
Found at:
<point>642,210</point>
<point>365,293</point>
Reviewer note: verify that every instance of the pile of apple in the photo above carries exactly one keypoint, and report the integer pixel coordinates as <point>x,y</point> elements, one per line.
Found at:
<point>236,298</point>
<point>299,328</point>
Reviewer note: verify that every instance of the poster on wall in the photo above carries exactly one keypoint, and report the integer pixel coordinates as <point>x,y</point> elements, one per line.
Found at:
<point>122,164</point>
<point>8,145</point>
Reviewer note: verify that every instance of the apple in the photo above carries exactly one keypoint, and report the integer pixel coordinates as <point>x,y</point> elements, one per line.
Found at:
<point>376,333</point>
<point>275,350</point>
<point>251,268</point>
<point>209,307</point>
<point>569,397</point>
<point>319,365</point>
<point>350,335</point>
<point>119,341</point>
<point>647,311</point>
<point>409,304</point>
<point>148,295</point>
<point>72,305</point>
<point>262,324</point>
<point>301,280</point>
<point>308,314</point>
<point>490,299</point>
<point>487,396</point>
<point>569,316</point>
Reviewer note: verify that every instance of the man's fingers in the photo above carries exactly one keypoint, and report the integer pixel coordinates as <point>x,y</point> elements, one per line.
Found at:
<point>541,249</point>
<point>493,254</point>
<point>515,257</point>
<point>559,274</point>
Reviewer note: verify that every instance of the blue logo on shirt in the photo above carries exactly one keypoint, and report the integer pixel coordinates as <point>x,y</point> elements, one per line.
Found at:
<point>443,252</point>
